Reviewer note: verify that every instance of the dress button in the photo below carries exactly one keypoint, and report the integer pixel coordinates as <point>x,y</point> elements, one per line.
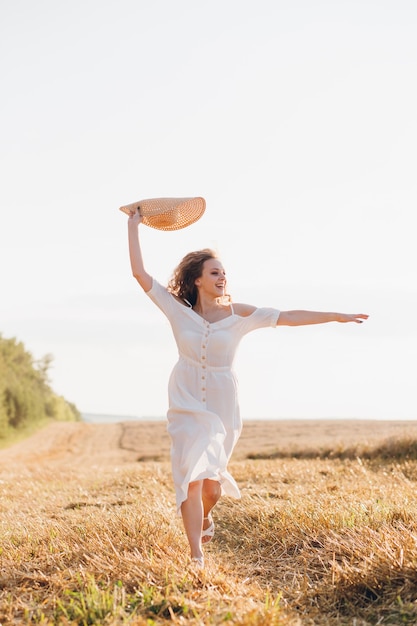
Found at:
<point>203,378</point>
<point>203,399</point>
<point>203,346</point>
<point>203,357</point>
<point>203,388</point>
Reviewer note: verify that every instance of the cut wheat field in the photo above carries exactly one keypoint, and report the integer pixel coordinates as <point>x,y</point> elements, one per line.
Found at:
<point>325,532</point>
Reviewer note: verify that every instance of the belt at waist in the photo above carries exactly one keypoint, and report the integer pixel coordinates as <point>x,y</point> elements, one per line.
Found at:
<point>203,365</point>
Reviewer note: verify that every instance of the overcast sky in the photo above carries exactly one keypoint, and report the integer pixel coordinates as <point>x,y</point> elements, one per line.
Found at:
<point>296,121</point>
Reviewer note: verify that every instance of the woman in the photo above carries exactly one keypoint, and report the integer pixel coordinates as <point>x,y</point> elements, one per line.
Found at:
<point>203,417</point>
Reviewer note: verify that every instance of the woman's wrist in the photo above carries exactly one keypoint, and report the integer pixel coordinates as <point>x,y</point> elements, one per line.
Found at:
<point>131,223</point>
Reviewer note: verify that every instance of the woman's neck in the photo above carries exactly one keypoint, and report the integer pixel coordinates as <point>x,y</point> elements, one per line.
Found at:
<point>206,305</point>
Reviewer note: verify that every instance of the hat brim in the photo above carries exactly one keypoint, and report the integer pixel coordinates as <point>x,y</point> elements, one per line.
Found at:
<point>168,213</point>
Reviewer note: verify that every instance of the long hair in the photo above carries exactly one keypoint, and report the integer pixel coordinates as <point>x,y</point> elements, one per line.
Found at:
<point>182,282</point>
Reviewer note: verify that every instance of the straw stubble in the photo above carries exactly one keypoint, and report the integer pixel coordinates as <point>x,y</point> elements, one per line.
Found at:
<point>92,538</point>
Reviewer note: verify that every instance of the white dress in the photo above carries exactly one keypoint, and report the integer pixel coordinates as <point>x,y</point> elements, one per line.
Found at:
<point>204,420</point>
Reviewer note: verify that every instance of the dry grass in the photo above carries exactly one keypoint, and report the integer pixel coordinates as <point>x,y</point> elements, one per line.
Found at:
<point>326,541</point>
<point>400,449</point>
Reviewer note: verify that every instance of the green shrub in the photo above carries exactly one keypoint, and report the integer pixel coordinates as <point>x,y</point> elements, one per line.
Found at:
<point>25,393</point>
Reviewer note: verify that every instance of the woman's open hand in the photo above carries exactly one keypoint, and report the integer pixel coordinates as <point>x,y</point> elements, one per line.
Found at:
<point>358,318</point>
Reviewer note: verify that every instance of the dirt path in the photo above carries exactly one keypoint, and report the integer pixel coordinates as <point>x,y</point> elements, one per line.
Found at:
<point>81,444</point>
<point>68,443</point>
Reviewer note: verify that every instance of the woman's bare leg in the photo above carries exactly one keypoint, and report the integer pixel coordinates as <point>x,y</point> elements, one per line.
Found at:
<point>192,517</point>
<point>211,493</point>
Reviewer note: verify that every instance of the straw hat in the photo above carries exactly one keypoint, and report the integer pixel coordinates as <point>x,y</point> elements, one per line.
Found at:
<point>168,213</point>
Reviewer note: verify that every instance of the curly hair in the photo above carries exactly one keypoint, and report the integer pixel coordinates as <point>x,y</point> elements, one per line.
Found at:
<point>182,282</point>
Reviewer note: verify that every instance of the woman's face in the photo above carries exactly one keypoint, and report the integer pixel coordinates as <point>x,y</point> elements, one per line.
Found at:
<point>212,281</point>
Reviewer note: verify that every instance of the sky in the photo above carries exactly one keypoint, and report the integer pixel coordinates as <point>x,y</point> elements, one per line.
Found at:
<point>294,120</point>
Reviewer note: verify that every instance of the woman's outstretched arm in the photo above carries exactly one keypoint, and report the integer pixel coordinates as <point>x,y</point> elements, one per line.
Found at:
<point>303,318</point>
<point>138,270</point>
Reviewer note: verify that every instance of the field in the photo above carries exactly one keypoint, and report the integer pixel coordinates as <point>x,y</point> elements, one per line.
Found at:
<point>325,533</point>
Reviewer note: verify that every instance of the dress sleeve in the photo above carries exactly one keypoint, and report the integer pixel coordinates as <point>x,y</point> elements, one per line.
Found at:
<point>260,318</point>
<point>162,298</point>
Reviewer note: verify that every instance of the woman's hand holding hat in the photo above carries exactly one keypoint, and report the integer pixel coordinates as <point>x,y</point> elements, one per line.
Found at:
<point>134,214</point>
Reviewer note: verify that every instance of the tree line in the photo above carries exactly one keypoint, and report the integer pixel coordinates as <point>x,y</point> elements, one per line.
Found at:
<point>26,396</point>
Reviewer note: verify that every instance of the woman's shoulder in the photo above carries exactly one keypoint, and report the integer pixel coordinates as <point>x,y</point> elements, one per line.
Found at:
<point>180,300</point>
<point>168,302</point>
<point>243,310</point>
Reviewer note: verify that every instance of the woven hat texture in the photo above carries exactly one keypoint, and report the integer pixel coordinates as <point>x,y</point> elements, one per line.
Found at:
<point>168,213</point>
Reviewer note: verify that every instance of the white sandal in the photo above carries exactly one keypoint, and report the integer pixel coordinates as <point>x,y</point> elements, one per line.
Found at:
<point>208,532</point>
<point>197,562</point>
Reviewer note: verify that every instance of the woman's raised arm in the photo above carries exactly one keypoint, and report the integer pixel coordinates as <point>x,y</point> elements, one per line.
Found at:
<point>138,270</point>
